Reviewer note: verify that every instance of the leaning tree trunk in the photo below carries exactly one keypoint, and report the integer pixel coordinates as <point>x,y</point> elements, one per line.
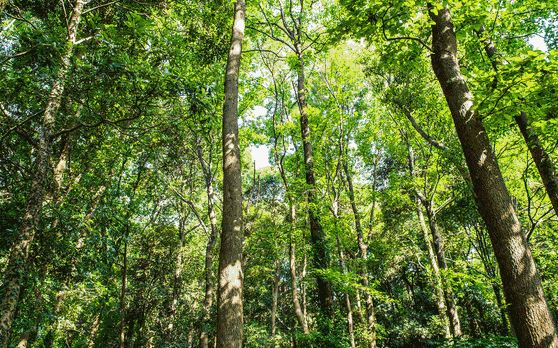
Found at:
<point>541,158</point>
<point>531,318</point>
<point>543,162</point>
<point>229,309</point>
<point>317,236</point>
<point>19,253</point>
<point>363,254</point>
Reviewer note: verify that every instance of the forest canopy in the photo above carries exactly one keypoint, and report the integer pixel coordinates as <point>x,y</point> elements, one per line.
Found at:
<point>278,173</point>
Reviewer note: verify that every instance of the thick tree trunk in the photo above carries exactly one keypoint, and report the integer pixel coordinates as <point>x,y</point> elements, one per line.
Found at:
<point>19,253</point>
<point>542,160</point>
<point>317,236</point>
<point>531,317</point>
<point>230,308</point>
<point>363,254</point>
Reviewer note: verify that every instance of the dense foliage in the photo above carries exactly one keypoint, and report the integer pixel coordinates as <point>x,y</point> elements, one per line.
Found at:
<point>110,205</point>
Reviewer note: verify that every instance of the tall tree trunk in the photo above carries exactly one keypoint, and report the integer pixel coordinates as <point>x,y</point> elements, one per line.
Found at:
<point>274,300</point>
<point>436,277</point>
<point>317,236</point>
<point>294,288</point>
<point>209,287</point>
<point>363,254</point>
<point>19,253</point>
<point>531,318</point>
<point>541,158</point>
<point>348,305</point>
<point>543,162</point>
<point>124,279</point>
<point>438,241</point>
<point>230,308</point>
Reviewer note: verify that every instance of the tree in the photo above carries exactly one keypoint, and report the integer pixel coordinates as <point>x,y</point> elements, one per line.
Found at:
<point>531,317</point>
<point>230,312</point>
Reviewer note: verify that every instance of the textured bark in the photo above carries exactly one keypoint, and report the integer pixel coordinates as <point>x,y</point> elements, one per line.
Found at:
<point>531,317</point>
<point>317,236</point>
<point>542,160</point>
<point>19,253</point>
<point>363,254</point>
<point>230,308</point>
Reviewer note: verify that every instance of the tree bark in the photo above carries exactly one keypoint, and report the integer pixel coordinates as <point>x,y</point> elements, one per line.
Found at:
<point>19,253</point>
<point>230,308</point>
<point>317,236</point>
<point>541,158</point>
<point>543,162</point>
<point>531,317</point>
<point>363,254</point>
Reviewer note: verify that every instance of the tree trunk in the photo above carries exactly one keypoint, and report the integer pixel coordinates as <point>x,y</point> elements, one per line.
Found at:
<point>274,300</point>
<point>229,311</point>
<point>531,317</point>
<point>437,279</point>
<point>19,253</point>
<point>541,158</point>
<point>209,288</point>
<point>317,236</point>
<point>543,162</point>
<point>363,254</point>
<point>348,305</point>
<point>453,316</point>
<point>124,279</point>
<point>294,288</point>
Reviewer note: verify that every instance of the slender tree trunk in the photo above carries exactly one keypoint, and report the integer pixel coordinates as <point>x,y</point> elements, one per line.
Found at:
<point>501,308</point>
<point>348,305</point>
<point>317,236</point>
<point>209,286</point>
<point>93,332</point>
<point>294,288</point>
<point>230,308</point>
<point>437,279</point>
<point>543,162</point>
<point>124,279</point>
<point>453,316</point>
<point>541,158</point>
<point>363,254</point>
<point>19,253</point>
<point>274,300</point>
<point>531,318</point>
